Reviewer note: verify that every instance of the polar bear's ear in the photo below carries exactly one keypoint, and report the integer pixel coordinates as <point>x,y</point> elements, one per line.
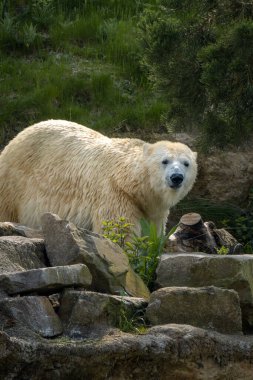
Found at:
<point>195,155</point>
<point>147,149</point>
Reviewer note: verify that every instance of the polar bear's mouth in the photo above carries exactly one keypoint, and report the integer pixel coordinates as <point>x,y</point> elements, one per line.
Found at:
<point>173,186</point>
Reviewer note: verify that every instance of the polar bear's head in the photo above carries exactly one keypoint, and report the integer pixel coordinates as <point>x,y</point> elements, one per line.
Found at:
<point>171,166</point>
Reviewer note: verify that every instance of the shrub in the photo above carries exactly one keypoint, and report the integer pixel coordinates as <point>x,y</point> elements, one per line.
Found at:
<point>143,251</point>
<point>200,54</point>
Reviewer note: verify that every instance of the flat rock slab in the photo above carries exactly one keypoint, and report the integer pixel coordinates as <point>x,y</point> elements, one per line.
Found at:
<point>210,308</point>
<point>46,279</point>
<point>90,314</point>
<point>108,264</point>
<point>32,313</point>
<point>18,253</point>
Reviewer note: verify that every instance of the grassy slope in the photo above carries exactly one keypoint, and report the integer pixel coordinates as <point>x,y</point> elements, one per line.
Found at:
<point>79,62</point>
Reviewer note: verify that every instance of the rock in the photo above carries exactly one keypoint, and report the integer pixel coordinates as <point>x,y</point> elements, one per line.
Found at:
<point>210,308</point>
<point>55,300</point>
<point>164,353</point>
<point>3,294</point>
<point>200,269</point>
<point>16,229</point>
<point>18,253</point>
<point>46,279</point>
<point>32,313</point>
<point>90,314</point>
<point>108,264</point>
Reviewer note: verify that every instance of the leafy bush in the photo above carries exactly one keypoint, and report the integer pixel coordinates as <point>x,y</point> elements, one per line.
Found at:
<point>143,251</point>
<point>200,54</point>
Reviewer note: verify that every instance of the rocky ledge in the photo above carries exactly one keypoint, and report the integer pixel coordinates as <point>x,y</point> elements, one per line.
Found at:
<point>164,353</point>
<point>67,295</point>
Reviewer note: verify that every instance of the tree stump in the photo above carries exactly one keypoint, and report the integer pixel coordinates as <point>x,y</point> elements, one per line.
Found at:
<point>193,235</point>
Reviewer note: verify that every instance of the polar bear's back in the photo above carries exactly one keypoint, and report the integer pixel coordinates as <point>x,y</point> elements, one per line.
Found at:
<point>50,143</point>
<point>49,166</point>
<point>55,133</point>
<point>68,169</point>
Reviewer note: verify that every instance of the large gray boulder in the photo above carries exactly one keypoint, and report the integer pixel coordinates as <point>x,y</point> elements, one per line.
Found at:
<point>18,253</point>
<point>46,279</point>
<point>108,264</point>
<point>200,269</point>
<point>91,314</point>
<point>20,315</point>
<point>210,308</point>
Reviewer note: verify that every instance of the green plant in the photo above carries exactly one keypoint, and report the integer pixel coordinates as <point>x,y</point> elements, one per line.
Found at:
<point>8,30</point>
<point>129,321</point>
<point>117,230</point>
<point>29,35</point>
<point>42,12</point>
<point>143,251</point>
<point>222,250</point>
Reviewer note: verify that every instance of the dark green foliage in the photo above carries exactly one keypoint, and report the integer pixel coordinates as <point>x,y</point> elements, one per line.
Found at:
<point>200,53</point>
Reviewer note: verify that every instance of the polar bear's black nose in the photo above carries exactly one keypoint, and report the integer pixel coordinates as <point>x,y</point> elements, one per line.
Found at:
<point>176,179</point>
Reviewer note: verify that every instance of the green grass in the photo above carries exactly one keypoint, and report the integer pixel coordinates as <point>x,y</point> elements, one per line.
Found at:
<point>76,60</point>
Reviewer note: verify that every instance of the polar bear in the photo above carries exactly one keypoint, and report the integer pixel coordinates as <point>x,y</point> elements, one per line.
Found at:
<point>85,177</point>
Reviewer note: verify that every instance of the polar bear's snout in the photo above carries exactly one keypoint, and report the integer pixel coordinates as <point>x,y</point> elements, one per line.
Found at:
<point>176,180</point>
<point>175,176</point>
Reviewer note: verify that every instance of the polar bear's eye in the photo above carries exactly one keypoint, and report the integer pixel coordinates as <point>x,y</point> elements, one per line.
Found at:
<point>165,161</point>
<point>186,163</point>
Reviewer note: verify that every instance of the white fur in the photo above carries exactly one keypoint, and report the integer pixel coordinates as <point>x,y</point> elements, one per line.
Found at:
<point>86,177</point>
